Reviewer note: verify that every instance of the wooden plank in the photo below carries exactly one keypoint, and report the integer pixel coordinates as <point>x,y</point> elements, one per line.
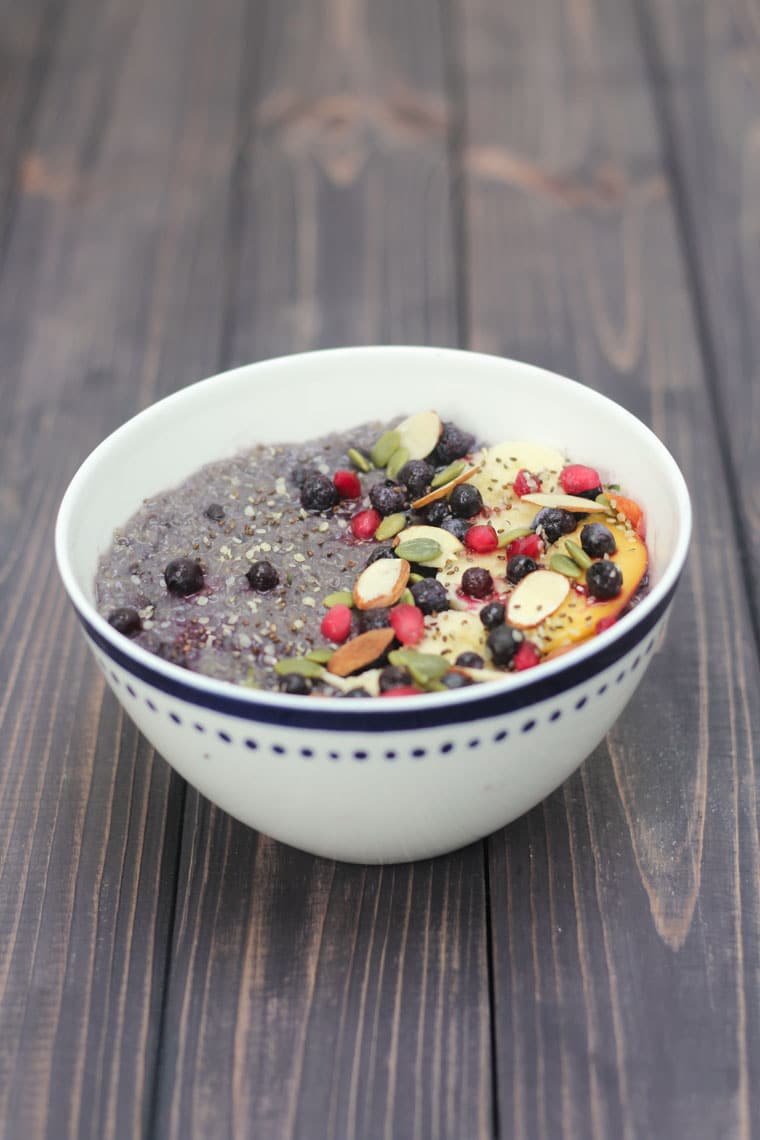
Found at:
<point>705,64</point>
<point>625,909</point>
<point>108,296</point>
<point>306,998</point>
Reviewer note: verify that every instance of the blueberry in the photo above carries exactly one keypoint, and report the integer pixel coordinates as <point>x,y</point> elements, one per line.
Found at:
<point>392,677</point>
<point>318,492</point>
<point>430,596</point>
<point>300,474</point>
<point>125,620</point>
<point>493,614</point>
<point>553,522</point>
<point>520,565</point>
<point>262,576</point>
<point>470,660</point>
<point>435,513</point>
<point>465,501</point>
<point>592,493</point>
<point>183,576</point>
<point>416,476</point>
<point>378,618</point>
<point>295,683</point>
<point>453,444</point>
<point>604,580</point>
<point>357,692</point>
<point>378,553</point>
<point>387,498</point>
<point>504,641</point>
<point>215,512</point>
<point>455,680</point>
<point>457,527</point>
<point>597,540</point>
<point>477,582</point>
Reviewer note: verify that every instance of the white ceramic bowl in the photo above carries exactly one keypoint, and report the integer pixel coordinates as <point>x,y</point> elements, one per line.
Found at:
<point>368,780</point>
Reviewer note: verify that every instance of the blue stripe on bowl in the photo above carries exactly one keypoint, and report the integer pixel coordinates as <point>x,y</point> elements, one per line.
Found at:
<point>343,716</point>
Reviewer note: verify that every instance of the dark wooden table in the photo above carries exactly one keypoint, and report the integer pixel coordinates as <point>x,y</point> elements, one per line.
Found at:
<point>190,184</point>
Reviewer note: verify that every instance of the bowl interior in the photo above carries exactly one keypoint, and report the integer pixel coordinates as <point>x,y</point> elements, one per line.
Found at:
<point>304,396</point>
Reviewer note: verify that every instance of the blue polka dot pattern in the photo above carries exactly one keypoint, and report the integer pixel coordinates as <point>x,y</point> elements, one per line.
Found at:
<point>225,736</point>
<point>528,726</point>
<point>251,744</point>
<point>499,736</point>
<point>177,719</point>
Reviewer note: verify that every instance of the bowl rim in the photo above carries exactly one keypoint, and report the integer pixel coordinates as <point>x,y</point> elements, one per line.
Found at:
<point>516,691</point>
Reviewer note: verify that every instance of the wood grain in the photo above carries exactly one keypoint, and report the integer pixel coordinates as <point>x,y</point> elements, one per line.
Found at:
<point>306,998</point>
<point>107,294</point>
<point>624,911</point>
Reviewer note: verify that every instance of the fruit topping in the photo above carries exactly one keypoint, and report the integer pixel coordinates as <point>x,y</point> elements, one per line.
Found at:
<point>125,620</point>
<point>465,501</point>
<point>365,523</point>
<point>531,546</point>
<point>394,677</point>
<point>183,576</point>
<point>493,614</point>
<point>388,498</point>
<point>453,444</point>
<point>470,660</point>
<point>581,481</point>
<point>295,683</point>
<point>416,476</point>
<point>477,582</point>
<point>262,576</point>
<point>482,539</point>
<point>419,434</point>
<point>215,512</point>
<point>518,566</point>
<point>604,580</point>
<point>504,642</point>
<point>347,484</point>
<point>430,596</point>
<point>408,623</point>
<point>336,624</point>
<point>526,657</point>
<point>526,483</point>
<point>552,523</point>
<point>318,492</point>
<point>597,540</point>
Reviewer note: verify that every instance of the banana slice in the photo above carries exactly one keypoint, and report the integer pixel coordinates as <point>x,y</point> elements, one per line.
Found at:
<point>499,466</point>
<point>453,632</point>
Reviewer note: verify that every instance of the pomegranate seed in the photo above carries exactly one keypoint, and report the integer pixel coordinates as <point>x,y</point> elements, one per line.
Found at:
<point>481,539</point>
<point>408,623</point>
<point>576,479</point>
<point>605,623</point>
<point>365,523</point>
<point>526,657</point>
<point>526,483</point>
<point>401,691</point>
<point>530,545</point>
<point>336,624</point>
<point>347,484</point>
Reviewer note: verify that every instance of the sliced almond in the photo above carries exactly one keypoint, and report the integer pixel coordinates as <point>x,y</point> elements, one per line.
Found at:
<point>369,679</point>
<point>420,433</point>
<point>360,652</point>
<point>536,597</point>
<point>563,502</point>
<point>381,584</point>
<point>448,542</point>
<point>446,489</point>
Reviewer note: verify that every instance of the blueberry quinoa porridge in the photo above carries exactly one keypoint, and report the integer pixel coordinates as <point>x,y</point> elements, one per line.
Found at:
<point>386,561</point>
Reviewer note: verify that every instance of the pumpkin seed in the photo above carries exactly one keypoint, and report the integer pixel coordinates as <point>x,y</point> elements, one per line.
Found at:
<point>418,550</point>
<point>300,665</point>
<point>511,535</point>
<point>321,654</point>
<point>577,553</point>
<point>338,598</point>
<point>359,460</point>
<point>447,474</point>
<point>390,526</point>
<point>388,442</point>
<point>561,564</point>
<point>415,578</point>
<point>407,598</point>
<point>397,460</point>
<point>425,668</point>
<point>603,501</point>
